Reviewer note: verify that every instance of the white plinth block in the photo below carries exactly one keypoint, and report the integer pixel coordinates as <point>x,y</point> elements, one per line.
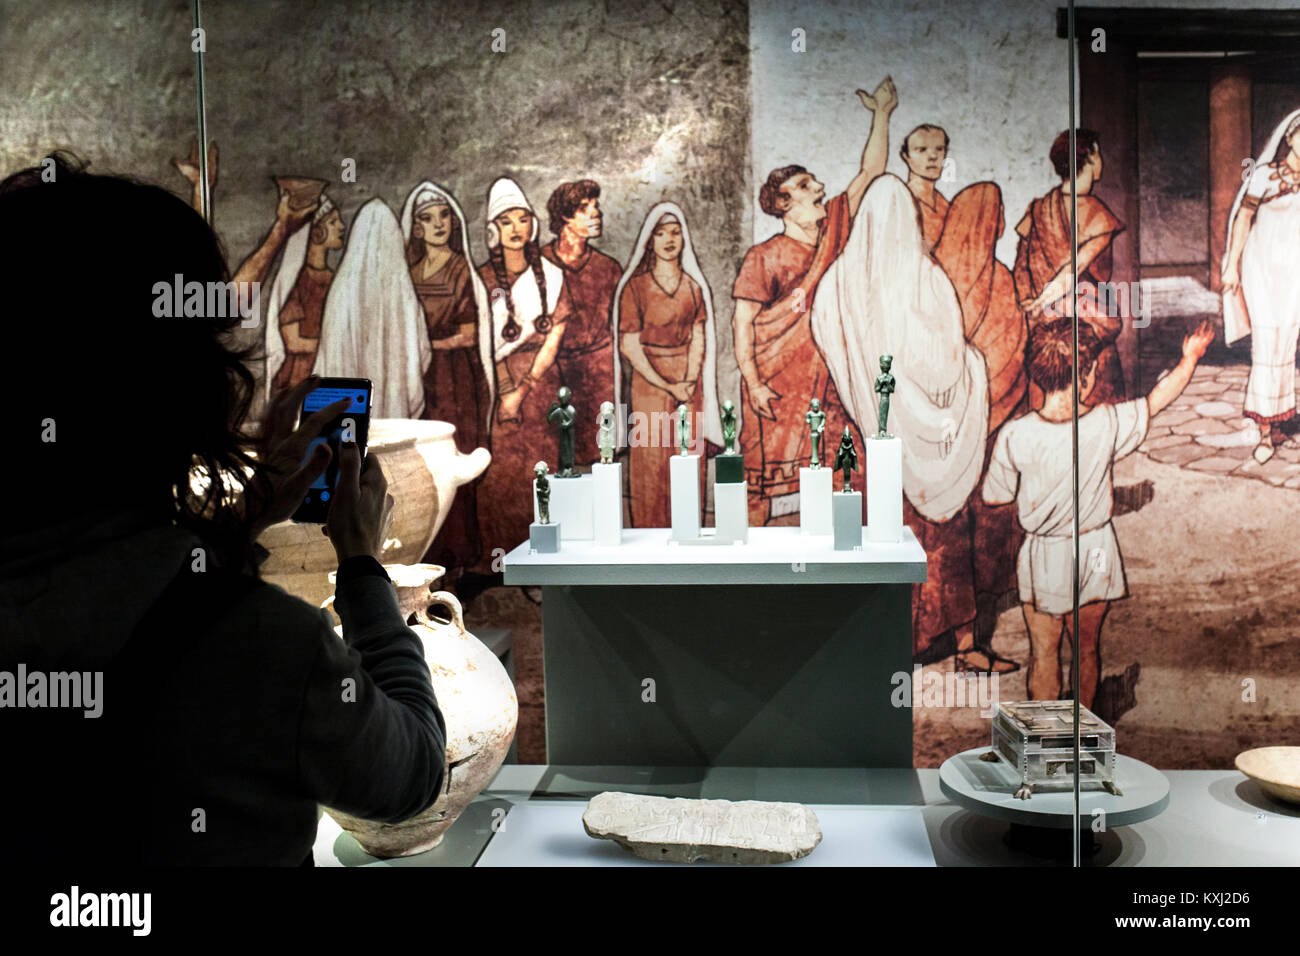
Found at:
<point>884,490</point>
<point>608,514</point>
<point>544,538</point>
<point>571,507</point>
<point>684,477</point>
<point>815,500</point>
<point>847,509</point>
<point>731,511</point>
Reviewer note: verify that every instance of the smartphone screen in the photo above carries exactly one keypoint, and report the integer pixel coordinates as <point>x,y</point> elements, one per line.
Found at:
<point>354,423</point>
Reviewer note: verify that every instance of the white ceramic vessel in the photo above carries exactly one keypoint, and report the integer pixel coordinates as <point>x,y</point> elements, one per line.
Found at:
<point>478,704</point>
<point>423,468</point>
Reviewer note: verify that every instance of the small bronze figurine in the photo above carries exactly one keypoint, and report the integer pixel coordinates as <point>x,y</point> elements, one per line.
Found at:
<point>847,458</point>
<point>543,493</point>
<point>684,430</point>
<point>605,433</point>
<point>563,416</point>
<point>816,419</point>
<point>884,387</point>
<point>729,427</point>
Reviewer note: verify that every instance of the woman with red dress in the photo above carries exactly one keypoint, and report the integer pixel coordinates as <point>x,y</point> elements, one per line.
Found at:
<point>455,304</point>
<point>663,322</point>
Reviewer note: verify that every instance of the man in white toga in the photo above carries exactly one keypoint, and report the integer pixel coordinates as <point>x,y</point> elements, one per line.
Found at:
<point>1031,466</point>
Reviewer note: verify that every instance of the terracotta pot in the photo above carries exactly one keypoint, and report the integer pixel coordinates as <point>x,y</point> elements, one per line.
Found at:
<point>478,704</point>
<point>423,468</point>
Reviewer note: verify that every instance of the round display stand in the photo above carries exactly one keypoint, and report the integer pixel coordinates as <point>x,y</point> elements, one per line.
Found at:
<point>988,788</point>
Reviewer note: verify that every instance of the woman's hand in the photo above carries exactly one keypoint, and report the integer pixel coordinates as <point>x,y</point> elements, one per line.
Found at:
<point>282,452</point>
<point>761,398</point>
<point>1195,344</point>
<point>362,510</point>
<point>1231,279</point>
<point>508,410</point>
<point>682,391</point>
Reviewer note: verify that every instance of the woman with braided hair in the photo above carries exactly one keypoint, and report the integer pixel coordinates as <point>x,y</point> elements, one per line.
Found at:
<point>529,307</point>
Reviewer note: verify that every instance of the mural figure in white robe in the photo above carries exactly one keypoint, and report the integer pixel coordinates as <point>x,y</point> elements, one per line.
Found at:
<point>374,324</point>
<point>1261,282</point>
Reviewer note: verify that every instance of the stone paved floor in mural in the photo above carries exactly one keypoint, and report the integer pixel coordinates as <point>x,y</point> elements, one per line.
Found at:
<point>1204,430</point>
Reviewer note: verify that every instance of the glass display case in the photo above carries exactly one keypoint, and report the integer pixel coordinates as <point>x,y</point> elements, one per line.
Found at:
<point>683,207</point>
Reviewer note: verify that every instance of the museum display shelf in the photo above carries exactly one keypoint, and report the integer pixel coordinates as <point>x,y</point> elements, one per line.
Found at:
<point>531,815</point>
<point>750,654</point>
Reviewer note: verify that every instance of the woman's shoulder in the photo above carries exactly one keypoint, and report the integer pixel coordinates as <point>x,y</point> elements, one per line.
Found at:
<point>265,615</point>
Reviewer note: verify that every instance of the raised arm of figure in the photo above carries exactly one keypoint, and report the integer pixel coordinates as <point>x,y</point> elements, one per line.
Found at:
<point>1172,385</point>
<point>287,221</point>
<point>875,154</point>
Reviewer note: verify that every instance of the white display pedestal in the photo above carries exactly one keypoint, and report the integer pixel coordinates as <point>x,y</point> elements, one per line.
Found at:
<point>884,489</point>
<point>571,506</point>
<point>731,511</point>
<point>608,504</point>
<point>544,538</point>
<point>847,509</point>
<point>684,477</point>
<point>815,500</point>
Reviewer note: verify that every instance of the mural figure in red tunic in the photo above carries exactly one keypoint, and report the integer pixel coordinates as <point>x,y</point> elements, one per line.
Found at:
<point>455,303</point>
<point>924,150</point>
<point>663,319</point>
<point>586,358</point>
<point>1042,270</point>
<point>530,310</point>
<point>781,367</point>
<point>296,306</point>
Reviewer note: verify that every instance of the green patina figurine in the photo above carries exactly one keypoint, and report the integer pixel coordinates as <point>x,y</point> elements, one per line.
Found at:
<point>684,430</point>
<point>543,493</point>
<point>884,388</point>
<point>729,427</point>
<point>563,416</point>
<point>816,419</point>
<point>605,433</point>
<point>847,458</point>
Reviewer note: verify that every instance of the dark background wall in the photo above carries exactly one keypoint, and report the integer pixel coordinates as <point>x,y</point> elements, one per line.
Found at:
<point>115,81</point>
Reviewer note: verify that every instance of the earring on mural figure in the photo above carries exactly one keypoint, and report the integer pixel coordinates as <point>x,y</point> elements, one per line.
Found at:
<point>544,323</point>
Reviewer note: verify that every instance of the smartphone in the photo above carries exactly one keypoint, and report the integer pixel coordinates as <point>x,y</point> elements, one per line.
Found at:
<point>353,424</point>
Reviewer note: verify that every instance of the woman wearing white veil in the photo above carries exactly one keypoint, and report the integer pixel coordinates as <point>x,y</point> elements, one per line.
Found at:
<point>458,388</point>
<point>884,296</point>
<point>530,306</point>
<point>1261,284</point>
<point>295,307</point>
<point>457,384</point>
<point>374,325</point>
<point>663,324</point>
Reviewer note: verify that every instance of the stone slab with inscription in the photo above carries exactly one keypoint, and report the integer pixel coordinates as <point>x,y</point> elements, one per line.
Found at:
<point>680,830</point>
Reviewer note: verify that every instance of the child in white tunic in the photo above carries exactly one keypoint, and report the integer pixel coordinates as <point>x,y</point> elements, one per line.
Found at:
<point>1031,465</point>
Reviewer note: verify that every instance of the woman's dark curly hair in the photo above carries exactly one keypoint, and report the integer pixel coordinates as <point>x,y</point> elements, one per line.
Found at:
<point>135,403</point>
